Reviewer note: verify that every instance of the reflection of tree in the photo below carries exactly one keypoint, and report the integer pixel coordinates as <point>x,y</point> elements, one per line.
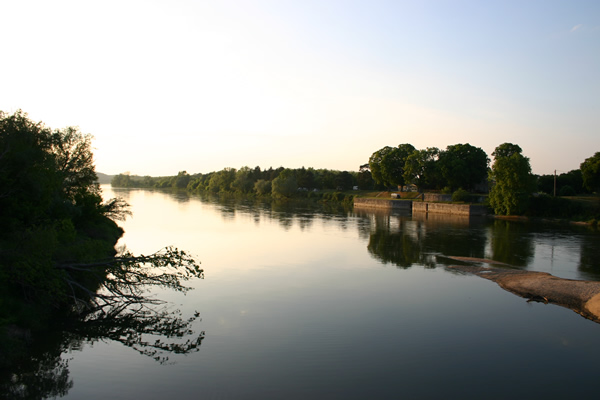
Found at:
<point>122,281</point>
<point>588,259</point>
<point>41,372</point>
<point>458,236</point>
<point>511,243</point>
<point>396,248</point>
<point>407,240</point>
<point>119,311</point>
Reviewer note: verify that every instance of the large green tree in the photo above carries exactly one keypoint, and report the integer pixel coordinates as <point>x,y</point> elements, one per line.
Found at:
<point>387,164</point>
<point>421,168</point>
<point>55,226</point>
<point>51,210</point>
<point>463,166</point>
<point>512,180</point>
<point>392,165</point>
<point>375,164</point>
<point>590,170</point>
<point>285,185</point>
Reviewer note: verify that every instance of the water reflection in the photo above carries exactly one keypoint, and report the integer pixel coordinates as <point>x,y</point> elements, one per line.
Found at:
<point>404,239</point>
<point>283,274</point>
<point>41,371</point>
<point>511,242</point>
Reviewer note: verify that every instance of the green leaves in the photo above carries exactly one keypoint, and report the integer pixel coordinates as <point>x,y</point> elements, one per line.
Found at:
<point>590,170</point>
<point>512,180</point>
<point>388,164</point>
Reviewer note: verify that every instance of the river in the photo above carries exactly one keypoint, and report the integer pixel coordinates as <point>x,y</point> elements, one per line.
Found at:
<point>302,301</point>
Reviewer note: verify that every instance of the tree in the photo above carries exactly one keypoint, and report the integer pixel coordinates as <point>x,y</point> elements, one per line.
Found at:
<point>590,170</point>
<point>51,210</point>
<point>243,181</point>
<point>221,181</point>
<point>344,181</point>
<point>364,178</point>
<point>181,180</point>
<point>306,178</point>
<point>74,161</point>
<point>392,164</point>
<point>512,180</point>
<point>375,164</point>
<point>285,185</point>
<point>387,164</point>
<point>57,256</point>
<point>421,168</point>
<point>262,187</point>
<point>54,223</point>
<point>463,166</point>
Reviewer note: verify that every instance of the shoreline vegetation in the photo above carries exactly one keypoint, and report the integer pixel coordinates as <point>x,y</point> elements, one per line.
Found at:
<point>343,187</point>
<point>61,278</point>
<point>281,184</point>
<point>459,174</point>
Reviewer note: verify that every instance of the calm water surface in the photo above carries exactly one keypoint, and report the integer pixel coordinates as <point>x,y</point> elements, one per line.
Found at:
<point>303,302</point>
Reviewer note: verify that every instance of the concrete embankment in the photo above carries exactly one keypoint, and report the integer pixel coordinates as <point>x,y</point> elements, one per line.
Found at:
<point>383,203</point>
<point>422,207</point>
<point>583,297</point>
<point>446,208</point>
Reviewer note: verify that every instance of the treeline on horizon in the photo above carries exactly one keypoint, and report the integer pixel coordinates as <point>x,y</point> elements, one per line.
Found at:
<point>465,166</point>
<point>460,169</point>
<point>279,182</point>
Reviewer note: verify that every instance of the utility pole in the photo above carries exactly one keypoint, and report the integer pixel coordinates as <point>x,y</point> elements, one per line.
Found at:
<point>554,183</point>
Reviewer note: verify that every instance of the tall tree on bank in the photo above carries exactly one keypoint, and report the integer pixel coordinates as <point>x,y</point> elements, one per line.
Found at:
<point>421,168</point>
<point>590,170</point>
<point>512,180</point>
<point>57,238</point>
<point>463,166</point>
<point>387,164</point>
<point>375,164</point>
<point>393,164</point>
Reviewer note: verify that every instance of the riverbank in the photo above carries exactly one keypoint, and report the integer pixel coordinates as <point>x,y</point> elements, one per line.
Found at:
<point>557,210</point>
<point>422,207</point>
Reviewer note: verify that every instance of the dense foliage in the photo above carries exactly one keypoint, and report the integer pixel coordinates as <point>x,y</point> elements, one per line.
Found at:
<point>463,166</point>
<point>51,210</point>
<point>60,276</point>
<point>459,166</point>
<point>512,180</point>
<point>590,170</point>
<point>57,243</point>
<point>279,183</point>
<point>388,164</point>
<point>565,184</point>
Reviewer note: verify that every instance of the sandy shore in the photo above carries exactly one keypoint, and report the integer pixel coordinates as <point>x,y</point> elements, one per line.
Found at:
<point>582,297</point>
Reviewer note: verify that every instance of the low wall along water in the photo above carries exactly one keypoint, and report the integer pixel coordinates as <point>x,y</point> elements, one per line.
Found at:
<point>422,207</point>
<point>383,203</point>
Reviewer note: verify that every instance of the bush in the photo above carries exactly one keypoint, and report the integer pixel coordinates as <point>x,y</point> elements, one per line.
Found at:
<point>461,195</point>
<point>554,207</point>
<point>567,191</point>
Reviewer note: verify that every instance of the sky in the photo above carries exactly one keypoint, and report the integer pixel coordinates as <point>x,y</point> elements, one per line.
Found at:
<point>180,85</point>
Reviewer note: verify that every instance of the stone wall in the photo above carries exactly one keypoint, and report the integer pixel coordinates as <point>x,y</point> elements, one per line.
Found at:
<point>445,208</point>
<point>436,197</point>
<point>421,207</point>
<point>383,203</point>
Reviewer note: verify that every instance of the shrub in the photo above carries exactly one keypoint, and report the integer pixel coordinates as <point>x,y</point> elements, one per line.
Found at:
<point>461,195</point>
<point>567,191</point>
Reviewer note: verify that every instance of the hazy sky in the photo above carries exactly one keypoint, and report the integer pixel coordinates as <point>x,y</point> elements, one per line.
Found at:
<point>173,85</point>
